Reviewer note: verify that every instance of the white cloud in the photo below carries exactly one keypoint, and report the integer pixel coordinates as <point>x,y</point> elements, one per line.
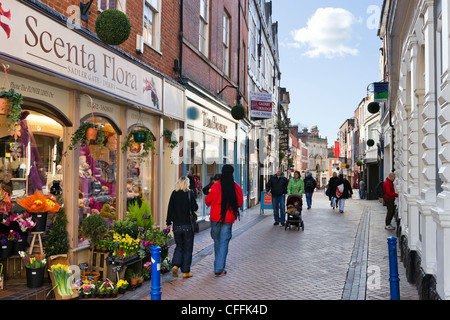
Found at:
<point>328,33</point>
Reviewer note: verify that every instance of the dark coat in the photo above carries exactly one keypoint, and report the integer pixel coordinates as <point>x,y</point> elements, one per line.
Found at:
<point>347,188</point>
<point>309,189</point>
<point>179,209</point>
<point>277,185</point>
<point>331,190</point>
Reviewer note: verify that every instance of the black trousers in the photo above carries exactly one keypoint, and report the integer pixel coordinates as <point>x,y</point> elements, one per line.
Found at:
<point>184,241</point>
<point>390,205</point>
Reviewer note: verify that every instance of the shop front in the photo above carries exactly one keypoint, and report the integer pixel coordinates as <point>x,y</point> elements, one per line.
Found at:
<point>66,84</point>
<point>210,141</point>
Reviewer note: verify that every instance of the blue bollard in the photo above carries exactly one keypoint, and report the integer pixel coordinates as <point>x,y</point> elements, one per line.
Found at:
<point>393,269</point>
<point>155,291</point>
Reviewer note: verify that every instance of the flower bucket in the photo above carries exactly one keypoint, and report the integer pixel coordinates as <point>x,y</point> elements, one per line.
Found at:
<point>6,249</point>
<point>5,108</point>
<point>19,245</point>
<point>35,277</point>
<point>139,136</point>
<point>91,133</point>
<point>41,221</point>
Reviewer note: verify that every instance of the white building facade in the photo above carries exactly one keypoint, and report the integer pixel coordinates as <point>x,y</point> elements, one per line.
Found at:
<point>416,131</point>
<point>263,77</point>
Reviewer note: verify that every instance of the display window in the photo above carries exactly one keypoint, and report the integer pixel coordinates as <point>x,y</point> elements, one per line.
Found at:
<point>139,171</point>
<point>98,175</point>
<point>31,160</point>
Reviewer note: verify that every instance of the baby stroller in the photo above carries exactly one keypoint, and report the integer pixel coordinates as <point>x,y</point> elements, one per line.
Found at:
<point>294,213</point>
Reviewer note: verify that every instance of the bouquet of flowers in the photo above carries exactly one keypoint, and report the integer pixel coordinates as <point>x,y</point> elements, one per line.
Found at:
<point>34,262</point>
<point>63,279</point>
<point>38,203</point>
<point>24,220</point>
<point>5,203</point>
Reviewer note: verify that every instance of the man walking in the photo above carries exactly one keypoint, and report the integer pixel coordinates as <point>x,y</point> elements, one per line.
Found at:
<point>310,185</point>
<point>277,185</point>
<point>389,199</point>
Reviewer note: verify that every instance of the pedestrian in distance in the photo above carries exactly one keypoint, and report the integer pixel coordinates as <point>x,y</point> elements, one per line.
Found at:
<point>296,185</point>
<point>310,186</point>
<point>331,190</point>
<point>277,186</point>
<point>389,199</point>
<point>343,191</point>
<point>362,189</point>
<point>225,198</point>
<point>182,202</point>
<point>214,179</point>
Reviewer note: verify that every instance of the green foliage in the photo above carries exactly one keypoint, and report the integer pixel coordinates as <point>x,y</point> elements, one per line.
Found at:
<point>94,227</point>
<point>79,136</point>
<point>57,239</point>
<point>140,215</point>
<point>167,134</point>
<point>125,227</point>
<point>238,112</point>
<point>146,146</point>
<point>112,27</point>
<point>15,102</point>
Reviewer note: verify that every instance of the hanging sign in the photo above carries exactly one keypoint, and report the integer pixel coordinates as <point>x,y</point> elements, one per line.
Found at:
<point>261,105</point>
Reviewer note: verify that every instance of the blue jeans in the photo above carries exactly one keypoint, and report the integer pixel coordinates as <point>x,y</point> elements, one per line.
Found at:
<point>279,211</point>
<point>308,199</point>
<point>184,241</point>
<point>221,234</point>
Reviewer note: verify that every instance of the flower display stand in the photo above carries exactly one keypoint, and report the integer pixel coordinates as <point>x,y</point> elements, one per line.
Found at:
<point>36,247</point>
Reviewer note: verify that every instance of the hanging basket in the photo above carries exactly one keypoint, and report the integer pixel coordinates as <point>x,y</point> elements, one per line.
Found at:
<point>91,133</point>
<point>139,136</point>
<point>373,107</point>
<point>370,142</point>
<point>238,112</point>
<point>5,108</point>
<point>112,27</point>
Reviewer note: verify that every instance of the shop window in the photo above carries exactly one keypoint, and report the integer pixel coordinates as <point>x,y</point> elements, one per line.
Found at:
<point>31,161</point>
<point>97,176</point>
<point>139,174</point>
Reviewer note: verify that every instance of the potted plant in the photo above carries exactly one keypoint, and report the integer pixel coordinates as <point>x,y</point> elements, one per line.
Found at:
<point>121,286</point>
<point>11,105</point>
<point>85,132</point>
<point>112,27</point>
<point>56,241</point>
<point>168,134</point>
<point>35,268</point>
<point>147,271</point>
<point>93,227</point>
<point>147,145</point>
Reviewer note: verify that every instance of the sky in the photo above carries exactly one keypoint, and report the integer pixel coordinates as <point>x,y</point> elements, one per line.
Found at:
<point>329,54</point>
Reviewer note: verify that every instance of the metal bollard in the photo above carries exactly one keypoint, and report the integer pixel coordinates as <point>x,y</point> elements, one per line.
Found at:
<point>155,291</point>
<point>393,269</point>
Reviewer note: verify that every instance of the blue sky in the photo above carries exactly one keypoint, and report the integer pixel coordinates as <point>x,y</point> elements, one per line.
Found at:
<point>329,54</point>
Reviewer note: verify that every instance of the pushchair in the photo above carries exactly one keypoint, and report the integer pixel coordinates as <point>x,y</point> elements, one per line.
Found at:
<point>294,213</point>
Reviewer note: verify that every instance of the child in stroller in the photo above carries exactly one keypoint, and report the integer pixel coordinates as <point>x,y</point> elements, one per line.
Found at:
<point>294,212</point>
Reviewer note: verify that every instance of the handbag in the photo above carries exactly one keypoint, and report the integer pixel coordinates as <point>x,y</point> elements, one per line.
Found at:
<point>193,216</point>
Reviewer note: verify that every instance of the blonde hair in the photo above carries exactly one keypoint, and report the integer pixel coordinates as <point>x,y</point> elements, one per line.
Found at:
<point>182,184</point>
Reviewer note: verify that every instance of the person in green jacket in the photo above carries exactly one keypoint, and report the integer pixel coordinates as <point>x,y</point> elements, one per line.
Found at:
<point>296,185</point>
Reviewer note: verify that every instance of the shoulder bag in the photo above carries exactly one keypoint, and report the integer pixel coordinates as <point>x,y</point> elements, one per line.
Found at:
<point>193,216</point>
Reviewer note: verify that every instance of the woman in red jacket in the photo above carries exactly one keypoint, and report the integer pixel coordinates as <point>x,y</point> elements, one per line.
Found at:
<point>224,199</point>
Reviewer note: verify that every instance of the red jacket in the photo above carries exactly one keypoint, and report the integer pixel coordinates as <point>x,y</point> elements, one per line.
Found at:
<point>214,199</point>
<point>389,191</point>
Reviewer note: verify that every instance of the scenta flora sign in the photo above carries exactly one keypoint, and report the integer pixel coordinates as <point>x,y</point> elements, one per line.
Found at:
<point>47,44</point>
